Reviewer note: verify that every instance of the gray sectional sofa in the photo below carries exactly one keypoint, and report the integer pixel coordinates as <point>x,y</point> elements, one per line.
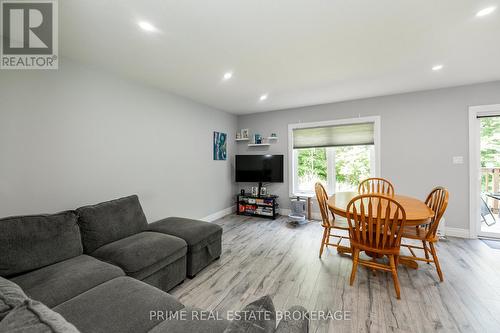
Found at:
<point>103,268</point>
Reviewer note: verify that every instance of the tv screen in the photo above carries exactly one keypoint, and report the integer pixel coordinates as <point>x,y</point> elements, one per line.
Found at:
<point>259,168</point>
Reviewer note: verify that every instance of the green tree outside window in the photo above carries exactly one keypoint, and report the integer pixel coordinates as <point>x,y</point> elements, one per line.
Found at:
<point>352,164</point>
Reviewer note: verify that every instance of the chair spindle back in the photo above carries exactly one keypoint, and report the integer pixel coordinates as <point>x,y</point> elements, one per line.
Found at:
<point>376,185</point>
<point>322,198</point>
<point>376,222</point>
<point>437,200</point>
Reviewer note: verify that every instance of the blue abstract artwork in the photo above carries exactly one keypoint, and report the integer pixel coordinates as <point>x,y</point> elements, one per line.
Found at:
<point>220,146</point>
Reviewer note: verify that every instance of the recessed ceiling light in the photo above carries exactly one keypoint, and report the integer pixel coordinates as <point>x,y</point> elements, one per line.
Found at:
<point>437,68</point>
<point>146,26</point>
<point>486,11</point>
<point>263,97</point>
<point>227,76</point>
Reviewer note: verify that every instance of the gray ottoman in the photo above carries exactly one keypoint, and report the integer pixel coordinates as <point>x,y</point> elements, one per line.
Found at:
<point>204,240</point>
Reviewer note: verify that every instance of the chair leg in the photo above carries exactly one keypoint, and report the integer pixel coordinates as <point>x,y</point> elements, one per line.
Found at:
<point>355,257</point>
<point>394,271</point>
<point>426,251</point>
<point>323,241</point>
<point>436,261</point>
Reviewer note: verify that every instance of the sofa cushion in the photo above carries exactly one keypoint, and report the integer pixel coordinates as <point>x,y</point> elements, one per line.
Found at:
<point>31,242</point>
<point>190,320</point>
<point>57,283</point>
<point>120,305</point>
<point>110,221</point>
<point>257,317</point>
<point>33,316</point>
<point>140,251</point>
<point>11,295</point>
<point>197,234</point>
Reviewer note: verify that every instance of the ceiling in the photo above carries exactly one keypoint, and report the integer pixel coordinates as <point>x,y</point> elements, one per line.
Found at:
<point>299,52</point>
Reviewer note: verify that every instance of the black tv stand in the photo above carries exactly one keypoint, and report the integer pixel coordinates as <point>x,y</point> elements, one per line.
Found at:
<point>265,206</point>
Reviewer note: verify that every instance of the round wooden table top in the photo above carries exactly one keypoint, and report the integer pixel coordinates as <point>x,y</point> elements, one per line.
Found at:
<point>417,212</point>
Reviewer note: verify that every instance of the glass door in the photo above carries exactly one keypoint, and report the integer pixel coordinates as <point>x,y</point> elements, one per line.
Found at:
<point>490,176</point>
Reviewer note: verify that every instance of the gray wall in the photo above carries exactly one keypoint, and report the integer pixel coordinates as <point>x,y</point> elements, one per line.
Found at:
<point>420,133</point>
<point>76,136</point>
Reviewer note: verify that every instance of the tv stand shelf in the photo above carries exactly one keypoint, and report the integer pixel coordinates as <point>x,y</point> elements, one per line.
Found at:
<point>258,206</point>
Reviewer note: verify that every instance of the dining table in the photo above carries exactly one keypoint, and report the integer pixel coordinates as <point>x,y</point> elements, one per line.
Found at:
<point>417,214</point>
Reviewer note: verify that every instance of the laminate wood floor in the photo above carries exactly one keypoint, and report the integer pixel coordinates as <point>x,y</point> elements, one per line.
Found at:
<point>269,257</point>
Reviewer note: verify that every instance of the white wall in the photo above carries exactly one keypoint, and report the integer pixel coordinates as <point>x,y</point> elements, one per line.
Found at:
<point>420,133</point>
<point>77,136</point>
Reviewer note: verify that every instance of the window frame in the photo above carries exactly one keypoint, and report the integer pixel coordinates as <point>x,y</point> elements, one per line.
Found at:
<point>293,160</point>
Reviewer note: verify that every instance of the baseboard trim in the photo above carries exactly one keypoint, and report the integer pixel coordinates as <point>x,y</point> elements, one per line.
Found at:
<point>449,231</point>
<point>219,214</point>
<point>457,232</point>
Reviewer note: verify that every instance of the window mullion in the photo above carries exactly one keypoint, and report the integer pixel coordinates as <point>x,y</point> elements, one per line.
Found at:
<point>373,172</point>
<point>295,171</point>
<point>331,175</point>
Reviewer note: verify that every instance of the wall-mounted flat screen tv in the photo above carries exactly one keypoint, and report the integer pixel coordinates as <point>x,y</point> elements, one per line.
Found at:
<point>259,168</point>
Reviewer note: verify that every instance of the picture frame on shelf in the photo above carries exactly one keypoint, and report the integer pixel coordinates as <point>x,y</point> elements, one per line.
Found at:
<point>245,133</point>
<point>255,190</point>
<point>263,191</point>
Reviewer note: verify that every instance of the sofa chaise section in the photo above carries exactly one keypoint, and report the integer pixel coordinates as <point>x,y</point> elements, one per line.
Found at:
<point>116,232</point>
<point>43,254</point>
<point>121,305</point>
<point>204,240</point>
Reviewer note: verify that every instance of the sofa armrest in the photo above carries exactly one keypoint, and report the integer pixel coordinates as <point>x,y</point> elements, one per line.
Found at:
<point>296,322</point>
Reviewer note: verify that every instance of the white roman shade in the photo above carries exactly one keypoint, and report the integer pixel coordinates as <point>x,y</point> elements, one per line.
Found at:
<point>334,136</point>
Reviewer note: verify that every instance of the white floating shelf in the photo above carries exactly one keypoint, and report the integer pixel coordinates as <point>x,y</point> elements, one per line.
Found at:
<point>244,139</point>
<point>272,138</point>
<point>258,144</point>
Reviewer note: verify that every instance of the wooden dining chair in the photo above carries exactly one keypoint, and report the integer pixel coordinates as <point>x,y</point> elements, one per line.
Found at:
<point>376,185</point>
<point>329,224</point>
<point>437,200</point>
<point>376,225</point>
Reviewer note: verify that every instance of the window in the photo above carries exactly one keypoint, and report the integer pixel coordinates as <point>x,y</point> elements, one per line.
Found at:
<point>338,154</point>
